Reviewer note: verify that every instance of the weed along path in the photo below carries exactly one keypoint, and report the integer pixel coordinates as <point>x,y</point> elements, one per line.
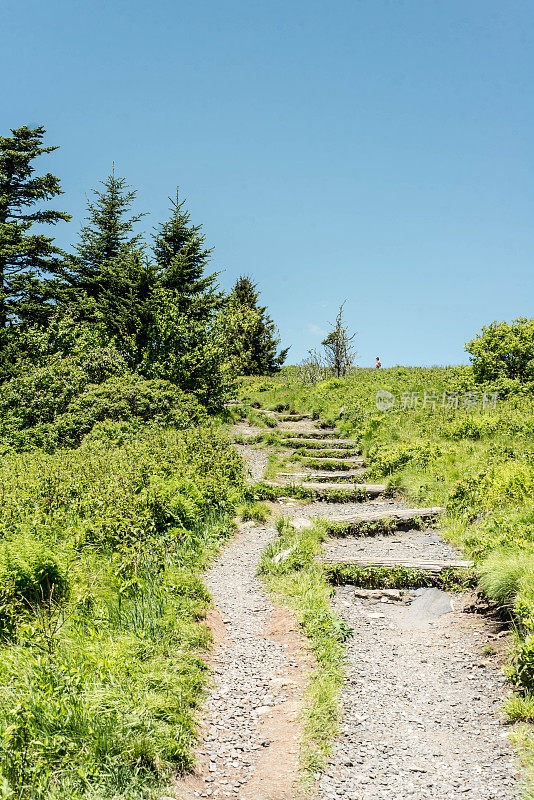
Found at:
<point>419,706</point>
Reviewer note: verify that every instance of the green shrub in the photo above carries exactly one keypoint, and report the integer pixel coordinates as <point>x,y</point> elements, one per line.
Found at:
<point>99,693</point>
<point>506,484</point>
<point>30,571</point>
<point>504,350</point>
<point>386,459</point>
<point>521,667</point>
<point>57,409</point>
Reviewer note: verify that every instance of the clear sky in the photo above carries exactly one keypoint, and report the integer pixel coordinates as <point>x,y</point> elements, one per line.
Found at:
<point>373,151</point>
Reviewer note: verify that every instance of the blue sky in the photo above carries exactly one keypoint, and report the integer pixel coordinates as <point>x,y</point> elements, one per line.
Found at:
<point>373,151</point>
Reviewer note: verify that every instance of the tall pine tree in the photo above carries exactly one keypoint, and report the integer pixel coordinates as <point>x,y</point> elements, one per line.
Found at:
<point>106,240</point>
<point>182,259</point>
<point>184,343</point>
<point>24,255</point>
<point>259,343</point>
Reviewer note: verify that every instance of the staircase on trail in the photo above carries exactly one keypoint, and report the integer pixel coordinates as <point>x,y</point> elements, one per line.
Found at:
<point>414,721</point>
<point>329,445</point>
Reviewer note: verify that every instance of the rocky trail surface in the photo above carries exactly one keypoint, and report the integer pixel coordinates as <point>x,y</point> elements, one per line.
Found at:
<point>420,703</point>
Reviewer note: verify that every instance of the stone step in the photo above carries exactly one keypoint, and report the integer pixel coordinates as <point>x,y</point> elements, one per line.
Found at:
<point>423,565</point>
<point>320,444</point>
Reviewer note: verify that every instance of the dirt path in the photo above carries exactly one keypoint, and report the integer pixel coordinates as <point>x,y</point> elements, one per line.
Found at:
<point>250,725</point>
<point>420,703</point>
<point>420,716</point>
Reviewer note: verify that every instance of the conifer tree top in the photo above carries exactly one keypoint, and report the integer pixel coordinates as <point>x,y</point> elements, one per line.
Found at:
<point>108,232</point>
<point>181,254</point>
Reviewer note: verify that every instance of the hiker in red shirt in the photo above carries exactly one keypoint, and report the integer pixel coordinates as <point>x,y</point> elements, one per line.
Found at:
<point>378,364</point>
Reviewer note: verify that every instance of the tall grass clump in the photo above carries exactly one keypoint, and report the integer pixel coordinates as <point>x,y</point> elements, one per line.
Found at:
<point>102,631</point>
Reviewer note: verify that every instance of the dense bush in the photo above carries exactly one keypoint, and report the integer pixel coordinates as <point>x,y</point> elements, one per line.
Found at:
<point>30,575</point>
<point>386,459</point>
<point>57,405</point>
<point>504,351</point>
<point>99,686</point>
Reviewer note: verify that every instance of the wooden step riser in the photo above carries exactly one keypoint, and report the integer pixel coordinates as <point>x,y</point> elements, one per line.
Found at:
<point>342,466</point>
<point>372,489</point>
<point>319,435</point>
<point>325,477</point>
<point>347,456</point>
<point>424,565</point>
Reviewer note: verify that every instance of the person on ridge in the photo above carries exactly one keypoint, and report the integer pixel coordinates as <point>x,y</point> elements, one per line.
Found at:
<point>378,364</point>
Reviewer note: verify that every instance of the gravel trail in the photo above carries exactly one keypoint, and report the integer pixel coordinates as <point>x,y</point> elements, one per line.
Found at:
<point>420,715</point>
<point>400,544</point>
<point>420,703</point>
<point>250,723</point>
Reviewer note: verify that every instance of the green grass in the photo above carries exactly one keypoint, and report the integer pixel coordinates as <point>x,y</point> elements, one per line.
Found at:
<point>267,491</point>
<point>256,512</point>
<point>375,577</point>
<point>375,527</point>
<point>299,582</point>
<point>520,707</point>
<point>101,668</point>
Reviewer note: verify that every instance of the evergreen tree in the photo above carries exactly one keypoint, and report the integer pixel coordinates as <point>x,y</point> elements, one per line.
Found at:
<point>126,303</point>
<point>259,343</point>
<point>182,258</point>
<point>106,240</point>
<point>184,342</point>
<point>24,256</point>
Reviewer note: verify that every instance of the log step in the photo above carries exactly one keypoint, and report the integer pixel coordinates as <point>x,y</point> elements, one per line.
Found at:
<point>320,444</point>
<point>347,456</point>
<point>331,475</point>
<point>295,434</point>
<point>399,515</point>
<point>285,416</point>
<point>423,565</point>
<point>340,464</point>
<point>372,489</point>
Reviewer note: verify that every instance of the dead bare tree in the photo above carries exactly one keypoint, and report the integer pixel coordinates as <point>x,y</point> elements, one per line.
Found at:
<point>339,351</point>
<point>313,368</point>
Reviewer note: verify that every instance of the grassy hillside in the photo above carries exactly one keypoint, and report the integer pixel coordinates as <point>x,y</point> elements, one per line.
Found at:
<point>447,441</point>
